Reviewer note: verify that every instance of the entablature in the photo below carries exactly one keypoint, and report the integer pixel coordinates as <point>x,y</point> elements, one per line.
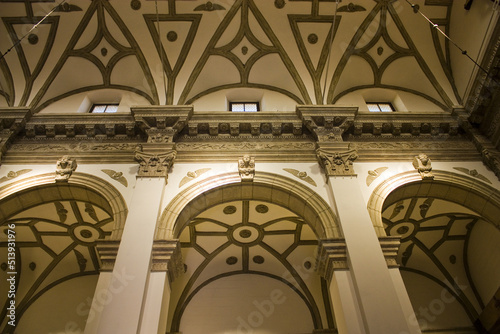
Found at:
<point>244,123</point>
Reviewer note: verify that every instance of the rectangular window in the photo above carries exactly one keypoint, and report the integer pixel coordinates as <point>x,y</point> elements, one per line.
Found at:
<point>244,106</point>
<point>380,106</point>
<point>104,108</point>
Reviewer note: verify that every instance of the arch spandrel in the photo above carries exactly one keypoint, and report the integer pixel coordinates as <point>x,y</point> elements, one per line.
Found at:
<point>265,187</point>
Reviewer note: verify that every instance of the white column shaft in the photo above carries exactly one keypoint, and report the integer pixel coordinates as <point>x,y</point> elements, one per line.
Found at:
<point>123,312</point>
<point>379,300</point>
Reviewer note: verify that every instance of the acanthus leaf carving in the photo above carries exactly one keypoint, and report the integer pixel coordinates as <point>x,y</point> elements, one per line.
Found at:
<point>337,163</point>
<point>155,165</point>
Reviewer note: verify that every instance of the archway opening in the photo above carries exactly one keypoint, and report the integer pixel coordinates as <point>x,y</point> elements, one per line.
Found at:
<point>449,254</point>
<point>55,230</point>
<point>237,241</point>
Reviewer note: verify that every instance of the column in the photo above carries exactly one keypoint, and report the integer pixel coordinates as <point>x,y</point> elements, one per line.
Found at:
<point>166,266</point>
<point>121,295</point>
<point>384,307</point>
<point>331,263</point>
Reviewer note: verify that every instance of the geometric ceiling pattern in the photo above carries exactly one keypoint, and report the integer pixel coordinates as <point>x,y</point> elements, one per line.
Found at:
<point>437,244</point>
<point>259,239</point>
<point>55,243</point>
<point>175,52</point>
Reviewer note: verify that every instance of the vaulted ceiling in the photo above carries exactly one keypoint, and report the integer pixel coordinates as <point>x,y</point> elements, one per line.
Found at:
<point>184,51</point>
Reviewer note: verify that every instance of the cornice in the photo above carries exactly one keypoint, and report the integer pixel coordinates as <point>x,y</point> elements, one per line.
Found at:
<point>12,121</point>
<point>69,125</point>
<point>223,136</point>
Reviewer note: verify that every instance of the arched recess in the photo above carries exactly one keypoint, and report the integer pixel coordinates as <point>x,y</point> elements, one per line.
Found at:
<point>267,187</point>
<point>470,192</point>
<point>55,228</point>
<point>449,254</point>
<point>231,231</point>
<point>34,184</point>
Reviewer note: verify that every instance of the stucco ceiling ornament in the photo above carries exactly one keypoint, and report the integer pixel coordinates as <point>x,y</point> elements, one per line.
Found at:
<point>473,173</point>
<point>422,164</point>
<point>373,174</point>
<point>301,175</point>
<point>155,165</point>
<point>12,175</point>
<point>64,168</point>
<point>190,176</point>
<point>337,163</point>
<point>246,167</point>
<point>118,176</point>
<point>209,6</point>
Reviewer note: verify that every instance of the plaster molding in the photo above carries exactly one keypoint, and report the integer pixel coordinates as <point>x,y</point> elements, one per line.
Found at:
<point>167,257</point>
<point>331,255</point>
<point>107,251</point>
<point>390,248</point>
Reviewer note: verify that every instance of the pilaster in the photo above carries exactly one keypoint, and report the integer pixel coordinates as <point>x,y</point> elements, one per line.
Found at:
<point>332,264</point>
<point>166,266</point>
<point>378,289</point>
<point>124,310</point>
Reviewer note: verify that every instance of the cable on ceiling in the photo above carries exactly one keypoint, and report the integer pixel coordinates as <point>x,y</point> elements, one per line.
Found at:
<point>416,9</point>
<point>32,28</point>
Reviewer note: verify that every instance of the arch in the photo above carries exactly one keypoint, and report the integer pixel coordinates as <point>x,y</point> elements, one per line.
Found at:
<point>266,187</point>
<point>83,185</point>
<point>469,192</point>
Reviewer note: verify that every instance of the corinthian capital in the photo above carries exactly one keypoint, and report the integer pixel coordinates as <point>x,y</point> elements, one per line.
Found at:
<point>337,163</point>
<point>155,165</point>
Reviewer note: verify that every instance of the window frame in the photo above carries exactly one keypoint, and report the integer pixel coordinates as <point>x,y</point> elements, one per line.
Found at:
<point>256,103</point>
<point>106,105</point>
<point>389,104</point>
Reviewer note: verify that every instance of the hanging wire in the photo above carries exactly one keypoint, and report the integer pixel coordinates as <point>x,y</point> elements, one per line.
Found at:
<point>495,8</point>
<point>161,50</point>
<point>330,49</point>
<point>32,28</point>
<point>416,9</point>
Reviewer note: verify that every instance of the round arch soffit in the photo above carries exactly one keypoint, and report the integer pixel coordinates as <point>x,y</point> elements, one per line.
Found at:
<point>469,192</point>
<point>265,187</point>
<point>83,185</point>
